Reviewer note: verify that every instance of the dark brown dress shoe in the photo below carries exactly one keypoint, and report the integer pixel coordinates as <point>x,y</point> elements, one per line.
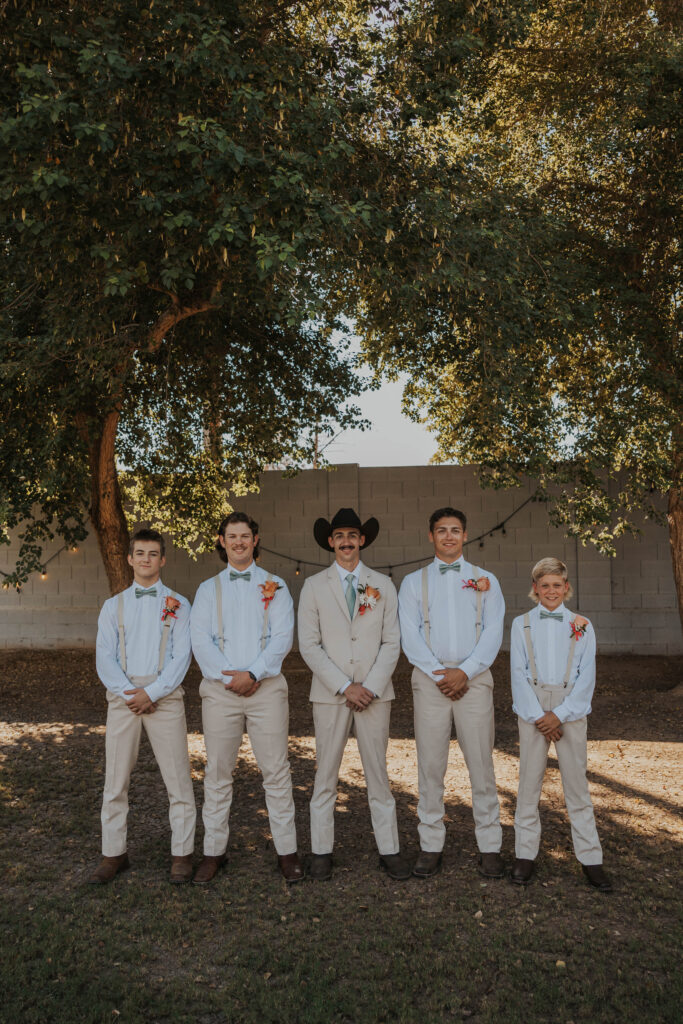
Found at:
<point>108,868</point>
<point>522,871</point>
<point>208,869</point>
<point>597,877</point>
<point>291,868</point>
<point>181,870</point>
<point>427,864</point>
<point>491,865</point>
<point>320,866</point>
<point>395,866</point>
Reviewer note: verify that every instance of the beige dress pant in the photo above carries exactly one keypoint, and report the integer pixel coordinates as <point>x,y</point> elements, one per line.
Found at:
<point>265,716</point>
<point>571,752</point>
<point>332,728</point>
<point>474,727</point>
<point>167,733</point>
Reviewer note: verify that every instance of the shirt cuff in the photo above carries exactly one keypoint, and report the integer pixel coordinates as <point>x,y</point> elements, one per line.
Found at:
<point>470,667</point>
<point>344,688</point>
<point>561,713</point>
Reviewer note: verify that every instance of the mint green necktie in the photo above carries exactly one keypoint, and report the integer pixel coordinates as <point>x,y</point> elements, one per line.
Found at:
<point>350,594</point>
<point>240,575</point>
<point>552,615</point>
<point>447,568</point>
<point>139,592</point>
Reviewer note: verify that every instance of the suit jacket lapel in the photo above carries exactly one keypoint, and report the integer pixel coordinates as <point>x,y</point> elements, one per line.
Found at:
<point>338,589</point>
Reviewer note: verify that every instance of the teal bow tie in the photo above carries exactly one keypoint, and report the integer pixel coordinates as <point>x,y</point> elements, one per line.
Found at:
<point>239,575</point>
<point>552,615</point>
<point>447,568</point>
<point>139,592</point>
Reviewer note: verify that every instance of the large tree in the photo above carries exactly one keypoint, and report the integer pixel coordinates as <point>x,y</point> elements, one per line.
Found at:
<point>571,116</point>
<point>180,192</point>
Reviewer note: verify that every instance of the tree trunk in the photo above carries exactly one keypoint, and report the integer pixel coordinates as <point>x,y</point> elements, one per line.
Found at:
<point>106,508</point>
<point>675,518</point>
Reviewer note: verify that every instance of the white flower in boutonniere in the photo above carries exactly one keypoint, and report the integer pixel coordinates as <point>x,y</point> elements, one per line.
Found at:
<point>171,606</point>
<point>483,584</point>
<point>369,596</point>
<point>578,627</point>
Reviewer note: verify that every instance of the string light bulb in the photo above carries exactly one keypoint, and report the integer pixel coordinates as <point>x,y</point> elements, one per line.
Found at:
<point>43,573</point>
<point>298,569</point>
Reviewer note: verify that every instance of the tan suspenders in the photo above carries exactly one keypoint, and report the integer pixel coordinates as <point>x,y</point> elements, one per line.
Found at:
<point>532,659</point>
<point>122,637</point>
<point>425,606</point>
<point>219,614</point>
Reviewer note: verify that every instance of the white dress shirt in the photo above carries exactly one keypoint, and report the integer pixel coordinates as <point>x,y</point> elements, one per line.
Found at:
<point>243,612</point>
<point>143,628</point>
<point>551,639</point>
<point>452,620</point>
<point>343,573</point>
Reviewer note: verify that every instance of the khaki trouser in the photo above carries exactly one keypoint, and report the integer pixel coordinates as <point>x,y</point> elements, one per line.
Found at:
<point>265,716</point>
<point>332,728</point>
<point>167,733</point>
<point>474,726</point>
<point>571,752</point>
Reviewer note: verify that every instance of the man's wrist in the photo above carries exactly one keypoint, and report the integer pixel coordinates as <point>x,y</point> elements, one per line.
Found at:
<point>252,676</point>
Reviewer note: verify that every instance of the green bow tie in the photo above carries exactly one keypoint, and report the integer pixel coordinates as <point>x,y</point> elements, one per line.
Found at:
<point>446,568</point>
<point>552,615</point>
<point>139,592</point>
<point>239,575</point>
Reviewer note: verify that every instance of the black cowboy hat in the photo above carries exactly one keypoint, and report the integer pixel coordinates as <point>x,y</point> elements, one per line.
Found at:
<point>345,519</point>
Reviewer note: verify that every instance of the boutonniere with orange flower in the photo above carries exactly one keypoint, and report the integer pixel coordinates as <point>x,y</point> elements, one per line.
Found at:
<point>369,596</point>
<point>578,627</point>
<point>171,606</point>
<point>268,590</point>
<point>483,584</point>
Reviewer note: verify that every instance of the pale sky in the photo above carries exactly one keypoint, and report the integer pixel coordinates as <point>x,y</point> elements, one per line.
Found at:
<point>394,440</point>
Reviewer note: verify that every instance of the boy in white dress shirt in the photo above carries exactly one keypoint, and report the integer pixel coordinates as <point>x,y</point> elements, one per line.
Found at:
<point>143,654</point>
<point>242,629</point>
<point>552,660</point>
<point>451,617</point>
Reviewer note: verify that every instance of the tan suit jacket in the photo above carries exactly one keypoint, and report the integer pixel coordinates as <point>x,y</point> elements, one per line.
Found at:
<point>336,648</point>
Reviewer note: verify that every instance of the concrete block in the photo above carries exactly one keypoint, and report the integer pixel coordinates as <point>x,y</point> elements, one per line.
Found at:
<point>630,600</point>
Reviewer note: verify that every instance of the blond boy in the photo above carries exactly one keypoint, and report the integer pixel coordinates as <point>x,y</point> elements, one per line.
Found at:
<point>552,657</point>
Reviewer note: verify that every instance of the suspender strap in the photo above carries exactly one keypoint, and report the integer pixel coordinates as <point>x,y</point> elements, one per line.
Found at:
<point>570,659</point>
<point>122,635</point>
<point>266,615</point>
<point>425,606</point>
<point>165,630</point>
<point>530,650</point>
<point>219,615</point>
<point>219,611</point>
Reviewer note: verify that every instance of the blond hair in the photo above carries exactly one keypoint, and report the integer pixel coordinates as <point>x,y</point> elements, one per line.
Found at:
<point>548,567</point>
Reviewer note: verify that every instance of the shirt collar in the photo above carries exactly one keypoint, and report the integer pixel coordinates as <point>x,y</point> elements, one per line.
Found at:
<point>343,573</point>
<point>461,559</point>
<point>252,567</point>
<point>153,586</point>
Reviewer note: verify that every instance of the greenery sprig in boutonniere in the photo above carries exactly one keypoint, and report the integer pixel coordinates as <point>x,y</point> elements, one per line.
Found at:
<point>578,627</point>
<point>369,596</point>
<point>171,606</point>
<point>483,584</point>
<point>269,589</point>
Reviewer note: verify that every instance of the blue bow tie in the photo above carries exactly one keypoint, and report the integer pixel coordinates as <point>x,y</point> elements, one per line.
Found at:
<point>552,615</point>
<point>446,568</point>
<point>139,592</point>
<point>239,575</point>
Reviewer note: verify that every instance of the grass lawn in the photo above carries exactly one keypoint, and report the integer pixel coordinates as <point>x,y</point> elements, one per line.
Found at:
<point>359,948</point>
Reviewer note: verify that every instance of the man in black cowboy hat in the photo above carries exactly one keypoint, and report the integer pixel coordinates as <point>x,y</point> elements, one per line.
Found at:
<point>349,637</point>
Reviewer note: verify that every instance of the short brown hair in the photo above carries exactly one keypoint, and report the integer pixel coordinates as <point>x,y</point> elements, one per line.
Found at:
<point>548,567</point>
<point>235,517</point>
<point>446,513</point>
<point>145,534</point>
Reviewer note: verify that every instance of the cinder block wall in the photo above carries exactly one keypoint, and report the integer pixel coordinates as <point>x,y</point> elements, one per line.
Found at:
<point>630,599</point>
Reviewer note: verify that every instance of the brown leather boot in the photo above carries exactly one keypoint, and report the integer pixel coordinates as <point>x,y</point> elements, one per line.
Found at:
<point>181,870</point>
<point>208,868</point>
<point>108,868</point>
<point>491,865</point>
<point>595,873</point>
<point>522,871</point>
<point>291,868</point>
<point>427,864</point>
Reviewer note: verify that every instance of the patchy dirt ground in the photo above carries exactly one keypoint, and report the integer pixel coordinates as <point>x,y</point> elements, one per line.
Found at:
<point>51,743</point>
